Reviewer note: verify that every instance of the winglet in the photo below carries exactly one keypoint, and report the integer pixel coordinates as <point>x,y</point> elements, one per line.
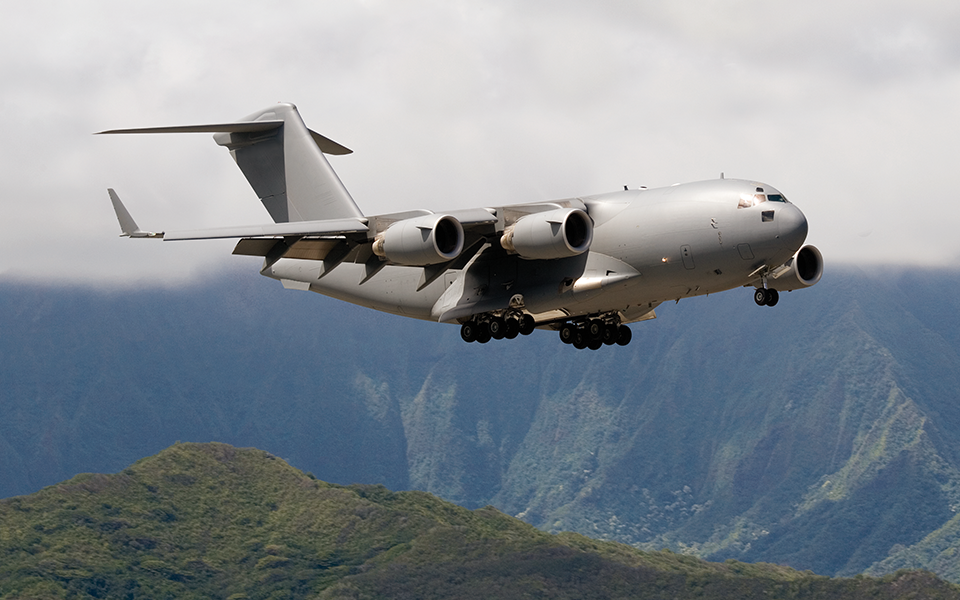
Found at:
<point>127,224</point>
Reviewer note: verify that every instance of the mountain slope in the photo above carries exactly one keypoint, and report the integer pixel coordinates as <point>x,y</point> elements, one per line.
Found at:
<point>823,433</point>
<point>214,521</point>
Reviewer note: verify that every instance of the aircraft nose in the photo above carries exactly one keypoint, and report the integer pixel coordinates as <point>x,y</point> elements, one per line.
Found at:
<point>793,226</point>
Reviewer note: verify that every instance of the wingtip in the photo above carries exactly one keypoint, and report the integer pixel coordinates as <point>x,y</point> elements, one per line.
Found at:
<point>127,225</point>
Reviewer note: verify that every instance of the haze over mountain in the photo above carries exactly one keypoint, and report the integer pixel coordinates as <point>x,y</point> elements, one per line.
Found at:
<point>823,433</point>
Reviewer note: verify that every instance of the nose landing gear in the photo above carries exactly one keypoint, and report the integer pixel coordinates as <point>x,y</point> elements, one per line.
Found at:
<point>766,297</point>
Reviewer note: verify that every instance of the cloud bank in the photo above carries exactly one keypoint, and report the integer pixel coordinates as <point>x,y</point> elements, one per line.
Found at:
<point>853,113</point>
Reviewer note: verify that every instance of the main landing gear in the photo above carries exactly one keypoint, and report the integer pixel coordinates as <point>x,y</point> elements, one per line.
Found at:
<point>483,328</point>
<point>595,333</point>
<point>590,333</point>
<point>766,297</point>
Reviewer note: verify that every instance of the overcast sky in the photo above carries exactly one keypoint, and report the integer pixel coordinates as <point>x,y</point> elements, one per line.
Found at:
<point>851,109</point>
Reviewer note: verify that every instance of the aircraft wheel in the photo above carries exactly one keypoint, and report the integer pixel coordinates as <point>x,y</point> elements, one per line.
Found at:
<point>773,296</point>
<point>760,296</point>
<point>511,328</point>
<point>624,336</point>
<point>595,344</point>
<point>468,331</point>
<point>483,333</point>
<point>610,334</point>
<point>497,328</point>
<point>527,324</point>
<point>593,329</point>
<point>579,340</point>
<point>568,333</point>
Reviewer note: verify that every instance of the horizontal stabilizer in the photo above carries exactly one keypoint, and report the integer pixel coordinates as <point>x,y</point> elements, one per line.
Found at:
<point>326,145</point>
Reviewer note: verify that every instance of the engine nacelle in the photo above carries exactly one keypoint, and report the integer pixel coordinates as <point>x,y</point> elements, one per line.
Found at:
<point>803,270</point>
<point>427,240</point>
<point>553,234</point>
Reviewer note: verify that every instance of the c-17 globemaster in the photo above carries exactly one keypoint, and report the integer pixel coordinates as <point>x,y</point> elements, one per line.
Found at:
<point>584,266</point>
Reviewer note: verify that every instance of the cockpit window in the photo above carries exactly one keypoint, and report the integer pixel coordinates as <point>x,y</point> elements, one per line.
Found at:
<point>748,200</point>
<point>776,198</point>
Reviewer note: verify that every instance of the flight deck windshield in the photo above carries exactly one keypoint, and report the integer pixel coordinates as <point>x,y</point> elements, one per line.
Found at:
<point>748,200</point>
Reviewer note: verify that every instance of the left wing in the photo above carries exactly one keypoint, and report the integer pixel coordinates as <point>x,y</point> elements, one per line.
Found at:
<point>468,218</point>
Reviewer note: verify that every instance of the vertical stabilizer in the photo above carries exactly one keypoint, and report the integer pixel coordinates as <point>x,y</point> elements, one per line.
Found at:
<point>287,169</point>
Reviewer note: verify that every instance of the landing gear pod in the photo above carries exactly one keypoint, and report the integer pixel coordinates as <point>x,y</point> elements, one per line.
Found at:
<point>553,234</point>
<point>428,240</point>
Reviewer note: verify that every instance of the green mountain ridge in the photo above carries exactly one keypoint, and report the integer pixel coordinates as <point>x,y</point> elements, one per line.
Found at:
<point>214,521</point>
<point>823,434</point>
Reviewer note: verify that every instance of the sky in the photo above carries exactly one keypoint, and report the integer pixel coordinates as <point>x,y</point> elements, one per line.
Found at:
<point>852,112</point>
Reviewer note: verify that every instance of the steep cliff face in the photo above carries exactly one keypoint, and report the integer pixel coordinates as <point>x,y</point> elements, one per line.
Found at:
<point>823,433</point>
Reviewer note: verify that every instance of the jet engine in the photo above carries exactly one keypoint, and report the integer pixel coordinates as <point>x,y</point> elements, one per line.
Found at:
<point>421,241</point>
<point>803,270</point>
<point>553,234</point>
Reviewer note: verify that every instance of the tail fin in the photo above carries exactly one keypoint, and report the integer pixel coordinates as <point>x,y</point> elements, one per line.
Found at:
<point>286,168</point>
<point>283,161</point>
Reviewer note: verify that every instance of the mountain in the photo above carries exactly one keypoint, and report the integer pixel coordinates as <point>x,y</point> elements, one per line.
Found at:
<point>823,433</point>
<point>214,521</point>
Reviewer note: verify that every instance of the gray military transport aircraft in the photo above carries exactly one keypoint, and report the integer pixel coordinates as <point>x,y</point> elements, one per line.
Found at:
<point>584,267</point>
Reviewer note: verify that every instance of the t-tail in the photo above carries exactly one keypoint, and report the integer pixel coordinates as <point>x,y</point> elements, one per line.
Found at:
<point>283,161</point>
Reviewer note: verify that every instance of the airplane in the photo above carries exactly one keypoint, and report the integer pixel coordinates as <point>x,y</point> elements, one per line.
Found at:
<point>584,267</point>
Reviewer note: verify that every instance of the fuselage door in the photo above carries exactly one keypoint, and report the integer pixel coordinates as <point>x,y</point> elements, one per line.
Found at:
<point>687,254</point>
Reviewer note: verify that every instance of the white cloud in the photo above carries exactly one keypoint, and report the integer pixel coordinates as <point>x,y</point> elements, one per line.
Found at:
<point>852,112</point>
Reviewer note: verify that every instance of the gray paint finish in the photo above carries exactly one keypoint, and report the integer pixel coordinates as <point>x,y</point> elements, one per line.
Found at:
<point>644,247</point>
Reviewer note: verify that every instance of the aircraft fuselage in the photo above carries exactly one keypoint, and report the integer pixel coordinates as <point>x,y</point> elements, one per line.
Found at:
<point>649,246</point>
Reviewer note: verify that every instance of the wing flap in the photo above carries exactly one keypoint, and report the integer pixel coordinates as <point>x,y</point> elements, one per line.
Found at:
<point>302,249</point>
<point>296,228</point>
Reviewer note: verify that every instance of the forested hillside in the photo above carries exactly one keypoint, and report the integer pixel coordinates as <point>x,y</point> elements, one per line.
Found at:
<point>214,521</point>
<point>823,433</point>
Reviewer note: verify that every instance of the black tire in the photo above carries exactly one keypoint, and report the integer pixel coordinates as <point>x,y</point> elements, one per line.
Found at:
<point>511,328</point>
<point>568,333</point>
<point>579,340</point>
<point>468,331</point>
<point>760,296</point>
<point>593,329</point>
<point>527,324</point>
<point>624,336</point>
<point>483,334</point>
<point>773,296</point>
<point>595,344</point>
<point>610,334</point>
<point>497,328</point>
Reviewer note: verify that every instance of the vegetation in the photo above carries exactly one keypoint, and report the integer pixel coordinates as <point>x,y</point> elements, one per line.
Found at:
<point>214,521</point>
<point>823,434</point>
